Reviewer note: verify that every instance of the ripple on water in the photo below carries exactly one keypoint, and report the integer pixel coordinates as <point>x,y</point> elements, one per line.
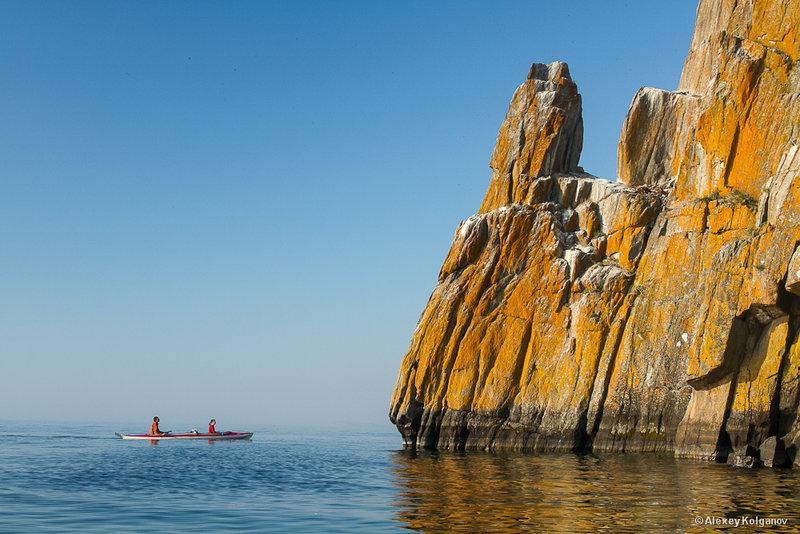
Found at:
<point>361,483</point>
<point>486,492</point>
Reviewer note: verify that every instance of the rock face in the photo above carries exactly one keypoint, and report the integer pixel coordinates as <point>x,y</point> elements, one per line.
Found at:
<point>541,135</point>
<point>657,313</point>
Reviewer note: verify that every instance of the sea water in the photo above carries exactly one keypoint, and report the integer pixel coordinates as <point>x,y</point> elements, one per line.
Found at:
<point>60,478</point>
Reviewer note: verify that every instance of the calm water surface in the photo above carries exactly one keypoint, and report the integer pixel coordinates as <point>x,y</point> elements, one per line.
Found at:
<point>67,479</point>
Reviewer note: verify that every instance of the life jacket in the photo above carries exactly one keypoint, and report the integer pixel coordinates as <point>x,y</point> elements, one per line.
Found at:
<point>154,431</point>
<point>211,429</point>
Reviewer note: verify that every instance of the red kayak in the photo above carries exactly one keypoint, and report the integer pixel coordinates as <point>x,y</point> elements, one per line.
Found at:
<point>191,435</point>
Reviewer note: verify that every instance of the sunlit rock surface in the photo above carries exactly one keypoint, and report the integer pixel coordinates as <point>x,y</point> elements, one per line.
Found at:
<point>656,313</point>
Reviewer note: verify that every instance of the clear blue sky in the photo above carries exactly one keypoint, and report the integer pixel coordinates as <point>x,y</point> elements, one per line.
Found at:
<point>240,209</point>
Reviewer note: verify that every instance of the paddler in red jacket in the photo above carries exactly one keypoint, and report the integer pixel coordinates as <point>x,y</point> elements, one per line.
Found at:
<point>211,429</point>
<point>154,430</point>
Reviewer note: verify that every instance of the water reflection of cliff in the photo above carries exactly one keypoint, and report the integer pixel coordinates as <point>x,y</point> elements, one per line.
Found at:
<point>475,492</point>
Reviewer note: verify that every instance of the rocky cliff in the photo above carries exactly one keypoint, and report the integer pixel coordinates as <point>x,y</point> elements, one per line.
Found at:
<point>656,313</point>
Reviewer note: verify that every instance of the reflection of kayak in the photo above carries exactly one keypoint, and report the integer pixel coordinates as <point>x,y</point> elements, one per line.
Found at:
<point>190,435</point>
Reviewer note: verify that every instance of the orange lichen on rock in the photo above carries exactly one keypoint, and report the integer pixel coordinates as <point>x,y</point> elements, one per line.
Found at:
<point>542,134</point>
<point>658,313</point>
<point>776,24</point>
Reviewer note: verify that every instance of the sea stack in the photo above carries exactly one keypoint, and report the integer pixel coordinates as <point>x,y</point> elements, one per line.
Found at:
<point>659,312</point>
